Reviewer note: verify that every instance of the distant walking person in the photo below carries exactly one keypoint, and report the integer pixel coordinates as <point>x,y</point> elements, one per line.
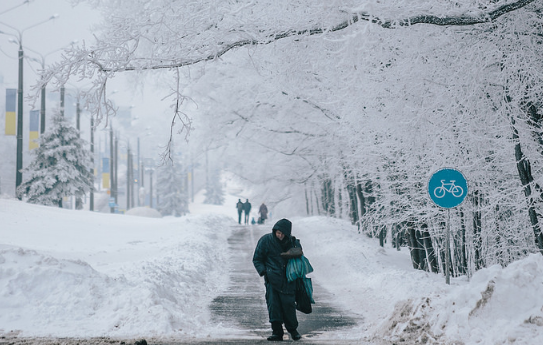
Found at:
<point>247,210</point>
<point>239,206</point>
<point>263,210</point>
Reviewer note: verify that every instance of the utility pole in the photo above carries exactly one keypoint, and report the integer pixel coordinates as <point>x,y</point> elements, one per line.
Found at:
<point>192,177</point>
<point>78,201</point>
<point>19,164</point>
<point>62,92</point>
<point>132,193</point>
<point>42,111</point>
<point>128,178</point>
<point>116,170</point>
<point>18,173</point>
<point>139,178</point>
<point>78,117</point>
<point>142,169</point>
<point>111,166</point>
<point>91,197</point>
<point>151,187</point>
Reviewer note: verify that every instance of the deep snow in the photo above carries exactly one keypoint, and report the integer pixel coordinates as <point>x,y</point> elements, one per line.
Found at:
<point>60,268</point>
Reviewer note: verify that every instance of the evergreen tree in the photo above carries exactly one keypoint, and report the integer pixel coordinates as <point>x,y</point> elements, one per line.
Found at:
<point>172,190</point>
<point>60,167</point>
<point>214,192</point>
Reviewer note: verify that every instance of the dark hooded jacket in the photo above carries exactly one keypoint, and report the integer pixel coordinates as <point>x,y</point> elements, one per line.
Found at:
<point>267,257</point>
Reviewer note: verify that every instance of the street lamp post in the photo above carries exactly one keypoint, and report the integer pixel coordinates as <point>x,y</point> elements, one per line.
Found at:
<point>16,6</point>
<point>43,87</point>
<point>19,164</point>
<point>91,201</point>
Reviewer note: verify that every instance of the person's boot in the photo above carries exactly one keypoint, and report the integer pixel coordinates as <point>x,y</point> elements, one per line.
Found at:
<point>277,332</point>
<point>295,335</point>
<point>275,337</point>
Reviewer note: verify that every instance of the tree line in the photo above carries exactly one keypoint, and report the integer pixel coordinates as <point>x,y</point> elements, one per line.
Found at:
<point>348,113</point>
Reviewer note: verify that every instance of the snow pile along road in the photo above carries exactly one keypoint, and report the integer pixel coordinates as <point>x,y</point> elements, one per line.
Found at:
<point>399,304</point>
<point>111,275</point>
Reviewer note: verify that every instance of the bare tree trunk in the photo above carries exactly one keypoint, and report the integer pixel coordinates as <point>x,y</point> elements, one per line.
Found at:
<point>306,201</point>
<point>328,197</point>
<point>463,261</point>
<point>413,246</point>
<point>361,198</point>
<point>526,178</point>
<point>382,235</point>
<point>429,249</point>
<point>477,240</point>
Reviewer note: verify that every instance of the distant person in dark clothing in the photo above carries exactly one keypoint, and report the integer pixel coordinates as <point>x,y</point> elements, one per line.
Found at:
<point>280,293</point>
<point>247,210</point>
<point>239,206</point>
<point>263,210</point>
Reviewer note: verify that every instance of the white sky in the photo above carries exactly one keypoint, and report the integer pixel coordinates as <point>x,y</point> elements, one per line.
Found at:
<point>75,23</point>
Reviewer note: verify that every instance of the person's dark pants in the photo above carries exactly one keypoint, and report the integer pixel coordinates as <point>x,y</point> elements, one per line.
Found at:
<point>281,309</point>
<point>239,217</point>
<point>246,217</point>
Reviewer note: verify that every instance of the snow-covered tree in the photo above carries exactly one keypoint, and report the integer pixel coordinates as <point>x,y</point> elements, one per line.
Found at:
<point>346,107</point>
<point>172,188</point>
<point>60,167</point>
<point>214,193</point>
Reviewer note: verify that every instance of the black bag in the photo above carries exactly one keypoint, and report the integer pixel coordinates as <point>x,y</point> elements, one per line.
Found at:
<point>303,301</point>
<point>293,252</point>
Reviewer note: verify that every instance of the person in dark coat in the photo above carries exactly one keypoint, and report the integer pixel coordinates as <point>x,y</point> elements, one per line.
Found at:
<point>239,206</point>
<point>247,210</point>
<point>280,293</point>
<point>263,210</point>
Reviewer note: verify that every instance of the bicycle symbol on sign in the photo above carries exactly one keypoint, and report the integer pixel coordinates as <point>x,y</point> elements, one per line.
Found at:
<point>450,187</point>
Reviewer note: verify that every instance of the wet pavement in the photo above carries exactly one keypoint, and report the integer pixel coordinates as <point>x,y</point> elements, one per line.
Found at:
<point>243,306</point>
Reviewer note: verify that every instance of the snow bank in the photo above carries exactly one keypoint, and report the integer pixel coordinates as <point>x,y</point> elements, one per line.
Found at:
<point>108,275</point>
<point>499,305</point>
<point>143,212</point>
<point>401,305</point>
<point>366,279</point>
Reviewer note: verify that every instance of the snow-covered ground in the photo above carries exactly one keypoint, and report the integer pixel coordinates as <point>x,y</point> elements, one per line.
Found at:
<point>67,273</point>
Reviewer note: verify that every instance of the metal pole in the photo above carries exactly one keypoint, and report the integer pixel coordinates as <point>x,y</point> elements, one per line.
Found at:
<point>448,249</point>
<point>139,175</point>
<point>62,92</point>
<point>132,193</point>
<point>192,177</point>
<point>42,110</point>
<point>19,165</point>
<point>128,178</point>
<point>78,118</point>
<point>111,166</point>
<point>116,170</point>
<point>151,188</point>
<point>91,202</point>
<point>142,169</point>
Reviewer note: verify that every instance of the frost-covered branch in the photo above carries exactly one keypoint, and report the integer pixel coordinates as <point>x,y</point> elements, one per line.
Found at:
<point>463,20</point>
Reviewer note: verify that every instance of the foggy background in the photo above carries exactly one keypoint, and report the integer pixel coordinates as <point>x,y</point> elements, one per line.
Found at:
<point>141,112</point>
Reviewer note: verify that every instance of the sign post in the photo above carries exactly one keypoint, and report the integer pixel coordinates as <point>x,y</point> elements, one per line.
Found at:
<point>447,189</point>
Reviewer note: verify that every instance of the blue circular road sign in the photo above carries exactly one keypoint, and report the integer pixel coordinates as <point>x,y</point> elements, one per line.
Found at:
<point>447,188</point>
